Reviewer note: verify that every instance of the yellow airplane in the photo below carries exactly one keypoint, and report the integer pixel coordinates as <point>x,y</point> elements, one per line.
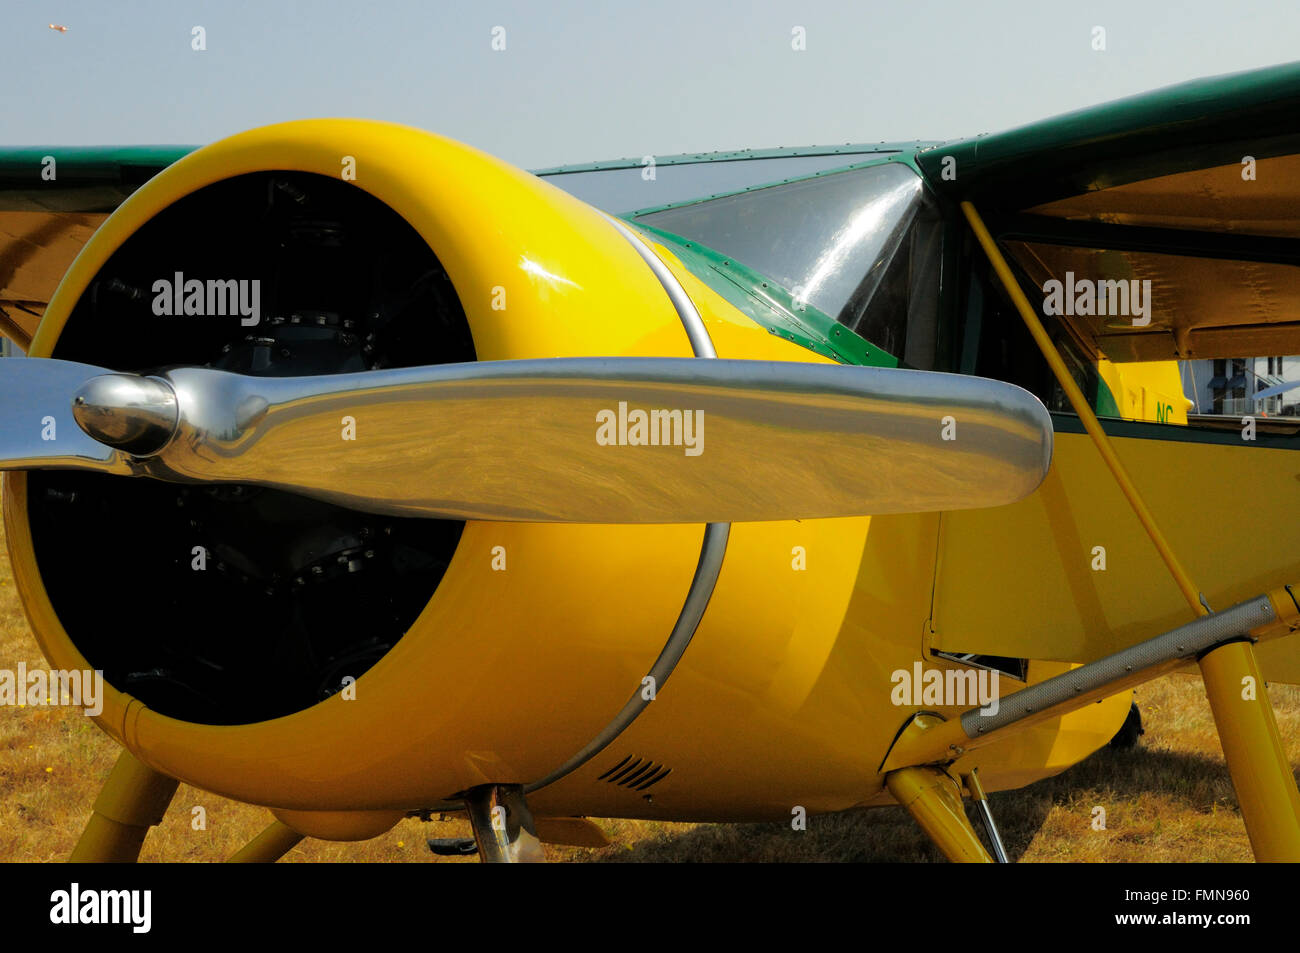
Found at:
<point>380,478</point>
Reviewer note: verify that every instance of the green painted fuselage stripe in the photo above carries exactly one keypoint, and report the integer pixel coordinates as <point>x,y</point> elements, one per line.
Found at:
<point>770,305</point>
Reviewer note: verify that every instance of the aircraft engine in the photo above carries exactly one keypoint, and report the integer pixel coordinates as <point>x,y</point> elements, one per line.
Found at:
<point>231,621</point>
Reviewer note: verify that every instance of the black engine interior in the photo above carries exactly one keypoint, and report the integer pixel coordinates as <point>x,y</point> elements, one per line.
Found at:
<point>230,604</point>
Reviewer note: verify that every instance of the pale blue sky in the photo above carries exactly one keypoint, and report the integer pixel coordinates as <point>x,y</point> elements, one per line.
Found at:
<point>580,81</point>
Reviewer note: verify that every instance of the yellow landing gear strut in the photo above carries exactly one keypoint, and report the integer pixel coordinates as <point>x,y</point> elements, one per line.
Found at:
<point>133,799</point>
<point>267,847</point>
<point>933,799</point>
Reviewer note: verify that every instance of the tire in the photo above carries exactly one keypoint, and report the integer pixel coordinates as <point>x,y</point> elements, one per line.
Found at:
<point>1130,731</point>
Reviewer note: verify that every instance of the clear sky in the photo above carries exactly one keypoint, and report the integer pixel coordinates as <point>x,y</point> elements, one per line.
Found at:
<point>579,81</point>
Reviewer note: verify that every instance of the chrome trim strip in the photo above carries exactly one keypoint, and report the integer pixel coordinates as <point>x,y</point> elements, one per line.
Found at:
<point>698,334</point>
<point>712,549</point>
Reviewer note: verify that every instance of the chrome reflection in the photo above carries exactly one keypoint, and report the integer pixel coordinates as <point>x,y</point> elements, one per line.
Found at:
<point>844,253</point>
<point>126,411</point>
<point>829,240</point>
<point>503,825</point>
<point>37,427</point>
<point>521,440</point>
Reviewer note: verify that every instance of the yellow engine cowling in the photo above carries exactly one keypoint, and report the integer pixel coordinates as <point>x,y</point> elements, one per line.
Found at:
<point>537,634</point>
<point>539,274</point>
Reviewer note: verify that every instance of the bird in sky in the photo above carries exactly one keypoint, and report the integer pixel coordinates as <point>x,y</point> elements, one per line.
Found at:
<point>59,27</point>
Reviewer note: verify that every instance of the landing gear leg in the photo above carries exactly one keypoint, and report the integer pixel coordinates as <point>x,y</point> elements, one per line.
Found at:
<point>269,846</point>
<point>133,799</point>
<point>986,815</point>
<point>503,825</point>
<point>933,799</point>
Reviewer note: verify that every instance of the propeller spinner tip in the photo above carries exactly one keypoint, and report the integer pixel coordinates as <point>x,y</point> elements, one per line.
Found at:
<point>131,413</point>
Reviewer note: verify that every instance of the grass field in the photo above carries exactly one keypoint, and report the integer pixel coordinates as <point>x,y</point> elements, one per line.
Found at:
<point>1168,800</point>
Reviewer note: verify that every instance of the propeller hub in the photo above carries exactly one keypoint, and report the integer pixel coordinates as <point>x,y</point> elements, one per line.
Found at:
<point>131,413</point>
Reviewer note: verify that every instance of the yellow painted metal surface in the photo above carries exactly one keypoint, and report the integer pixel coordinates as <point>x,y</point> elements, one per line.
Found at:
<point>1147,390</point>
<point>1229,512</point>
<point>339,825</point>
<point>782,700</point>
<point>1084,410</point>
<point>1080,507</point>
<point>1261,774</point>
<point>934,801</point>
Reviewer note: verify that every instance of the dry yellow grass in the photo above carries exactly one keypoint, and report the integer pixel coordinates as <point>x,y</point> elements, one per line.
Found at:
<point>1168,800</point>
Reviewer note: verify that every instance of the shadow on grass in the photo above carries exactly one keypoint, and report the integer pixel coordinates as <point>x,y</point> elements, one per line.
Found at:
<point>1196,782</point>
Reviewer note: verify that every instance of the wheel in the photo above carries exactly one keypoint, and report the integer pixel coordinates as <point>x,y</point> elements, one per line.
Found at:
<point>1130,731</point>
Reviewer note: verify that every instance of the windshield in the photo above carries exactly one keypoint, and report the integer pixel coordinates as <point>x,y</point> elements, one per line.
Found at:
<point>620,191</point>
<point>861,246</point>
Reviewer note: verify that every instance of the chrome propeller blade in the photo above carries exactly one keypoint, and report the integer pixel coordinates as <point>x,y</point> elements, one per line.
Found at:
<point>592,440</point>
<point>37,428</point>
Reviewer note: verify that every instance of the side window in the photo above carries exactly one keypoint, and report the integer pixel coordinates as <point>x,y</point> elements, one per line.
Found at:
<point>1170,339</point>
<point>1265,387</point>
<point>996,343</point>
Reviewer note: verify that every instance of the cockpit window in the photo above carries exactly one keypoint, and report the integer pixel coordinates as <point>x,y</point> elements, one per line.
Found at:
<point>861,245</point>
